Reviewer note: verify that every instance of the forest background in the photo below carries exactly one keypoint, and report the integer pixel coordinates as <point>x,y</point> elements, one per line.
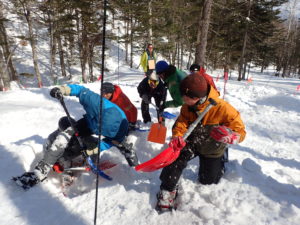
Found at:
<point>217,34</point>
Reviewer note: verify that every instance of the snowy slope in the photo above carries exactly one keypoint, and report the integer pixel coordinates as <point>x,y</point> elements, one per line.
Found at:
<point>261,185</point>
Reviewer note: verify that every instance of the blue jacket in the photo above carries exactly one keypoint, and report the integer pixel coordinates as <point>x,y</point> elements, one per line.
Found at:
<point>114,124</point>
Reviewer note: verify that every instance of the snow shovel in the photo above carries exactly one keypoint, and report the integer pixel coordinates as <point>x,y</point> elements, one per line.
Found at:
<point>157,132</point>
<point>170,154</point>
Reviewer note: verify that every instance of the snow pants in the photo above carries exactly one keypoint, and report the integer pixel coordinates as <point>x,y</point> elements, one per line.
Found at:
<point>63,143</point>
<point>211,159</point>
<point>210,170</point>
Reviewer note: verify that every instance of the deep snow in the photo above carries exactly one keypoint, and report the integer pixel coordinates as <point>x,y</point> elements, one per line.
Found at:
<point>261,184</point>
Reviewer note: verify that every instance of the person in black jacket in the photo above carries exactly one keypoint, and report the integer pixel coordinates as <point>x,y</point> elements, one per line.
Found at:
<point>150,87</point>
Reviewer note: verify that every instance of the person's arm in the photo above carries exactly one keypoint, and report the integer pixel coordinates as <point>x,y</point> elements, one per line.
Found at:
<point>182,123</point>
<point>176,96</point>
<point>75,89</point>
<point>144,61</point>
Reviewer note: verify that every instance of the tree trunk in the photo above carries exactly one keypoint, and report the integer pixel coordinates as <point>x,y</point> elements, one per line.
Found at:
<point>69,57</point>
<point>52,45</point>
<point>150,37</point>
<point>242,59</point>
<point>244,70</point>
<point>33,44</point>
<point>61,56</point>
<point>7,54</point>
<point>91,60</point>
<point>202,33</point>
<point>132,25</point>
<point>4,77</point>
<point>126,39</point>
<point>82,41</point>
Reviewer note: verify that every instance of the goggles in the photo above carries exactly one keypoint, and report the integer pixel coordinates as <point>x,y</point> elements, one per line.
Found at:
<point>153,83</point>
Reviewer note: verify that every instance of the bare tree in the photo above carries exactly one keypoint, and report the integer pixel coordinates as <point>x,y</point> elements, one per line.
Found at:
<point>202,33</point>
<point>242,58</point>
<point>26,8</point>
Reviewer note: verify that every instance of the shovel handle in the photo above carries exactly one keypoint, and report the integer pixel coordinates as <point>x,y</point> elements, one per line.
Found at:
<point>81,144</point>
<point>195,123</point>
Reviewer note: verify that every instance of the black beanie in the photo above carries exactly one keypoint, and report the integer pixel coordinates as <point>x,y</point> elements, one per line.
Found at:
<point>194,86</point>
<point>108,88</point>
<point>195,67</point>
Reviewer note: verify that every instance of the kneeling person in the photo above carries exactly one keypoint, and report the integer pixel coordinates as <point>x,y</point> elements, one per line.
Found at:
<point>222,125</point>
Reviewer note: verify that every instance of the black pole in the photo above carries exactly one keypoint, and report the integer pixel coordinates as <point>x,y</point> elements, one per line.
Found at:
<point>82,146</point>
<point>100,113</point>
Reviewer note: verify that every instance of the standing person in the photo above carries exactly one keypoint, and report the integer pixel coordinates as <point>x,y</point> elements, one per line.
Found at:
<point>196,68</point>
<point>151,87</point>
<point>172,78</point>
<point>148,60</point>
<point>114,94</point>
<point>222,125</point>
<point>114,128</point>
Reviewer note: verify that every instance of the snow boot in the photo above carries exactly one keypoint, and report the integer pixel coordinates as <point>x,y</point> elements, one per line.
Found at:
<point>27,180</point>
<point>166,200</point>
<point>130,155</point>
<point>30,179</point>
<point>41,170</point>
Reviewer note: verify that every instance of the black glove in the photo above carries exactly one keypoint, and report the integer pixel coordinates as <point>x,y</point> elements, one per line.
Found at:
<point>56,93</point>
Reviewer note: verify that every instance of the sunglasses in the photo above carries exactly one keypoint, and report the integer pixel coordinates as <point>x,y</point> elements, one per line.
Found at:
<point>153,83</point>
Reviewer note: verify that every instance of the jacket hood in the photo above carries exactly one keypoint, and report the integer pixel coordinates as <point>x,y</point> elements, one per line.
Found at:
<point>117,93</point>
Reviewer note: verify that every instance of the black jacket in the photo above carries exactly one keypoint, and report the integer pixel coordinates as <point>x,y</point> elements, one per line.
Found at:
<point>159,93</point>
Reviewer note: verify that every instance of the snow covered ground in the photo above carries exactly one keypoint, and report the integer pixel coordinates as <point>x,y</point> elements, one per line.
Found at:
<point>261,185</point>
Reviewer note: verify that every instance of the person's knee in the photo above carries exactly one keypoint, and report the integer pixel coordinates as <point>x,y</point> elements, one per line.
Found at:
<point>209,180</point>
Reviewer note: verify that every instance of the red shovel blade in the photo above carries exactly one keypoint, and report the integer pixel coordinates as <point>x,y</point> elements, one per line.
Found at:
<point>163,159</point>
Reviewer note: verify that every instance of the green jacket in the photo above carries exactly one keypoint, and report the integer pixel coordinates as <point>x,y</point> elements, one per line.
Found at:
<point>174,77</point>
<point>144,59</point>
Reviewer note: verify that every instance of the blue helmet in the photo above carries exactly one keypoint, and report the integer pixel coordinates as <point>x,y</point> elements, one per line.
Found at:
<point>161,66</point>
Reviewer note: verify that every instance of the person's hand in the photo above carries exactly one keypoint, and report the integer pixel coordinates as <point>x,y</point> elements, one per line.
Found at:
<point>58,92</point>
<point>177,143</point>
<point>89,152</point>
<point>145,98</point>
<point>162,107</point>
<point>225,135</point>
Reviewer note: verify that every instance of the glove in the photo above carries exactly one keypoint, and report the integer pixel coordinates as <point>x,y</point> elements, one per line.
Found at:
<point>225,135</point>
<point>58,92</point>
<point>177,143</point>
<point>145,98</point>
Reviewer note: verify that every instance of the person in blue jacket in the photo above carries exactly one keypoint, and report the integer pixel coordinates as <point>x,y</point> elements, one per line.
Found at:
<point>62,145</point>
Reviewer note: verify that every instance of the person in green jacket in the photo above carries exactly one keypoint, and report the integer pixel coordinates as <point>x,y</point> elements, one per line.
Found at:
<point>148,60</point>
<point>172,78</point>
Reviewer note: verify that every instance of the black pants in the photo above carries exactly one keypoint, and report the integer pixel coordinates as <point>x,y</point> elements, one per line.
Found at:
<point>145,108</point>
<point>73,148</point>
<point>210,170</point>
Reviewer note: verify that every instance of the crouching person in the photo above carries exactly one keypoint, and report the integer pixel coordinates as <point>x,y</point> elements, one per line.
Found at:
<point>115,94</point>
<point>62,143</point>
<point>222,125</point>
<point>149,87</point>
